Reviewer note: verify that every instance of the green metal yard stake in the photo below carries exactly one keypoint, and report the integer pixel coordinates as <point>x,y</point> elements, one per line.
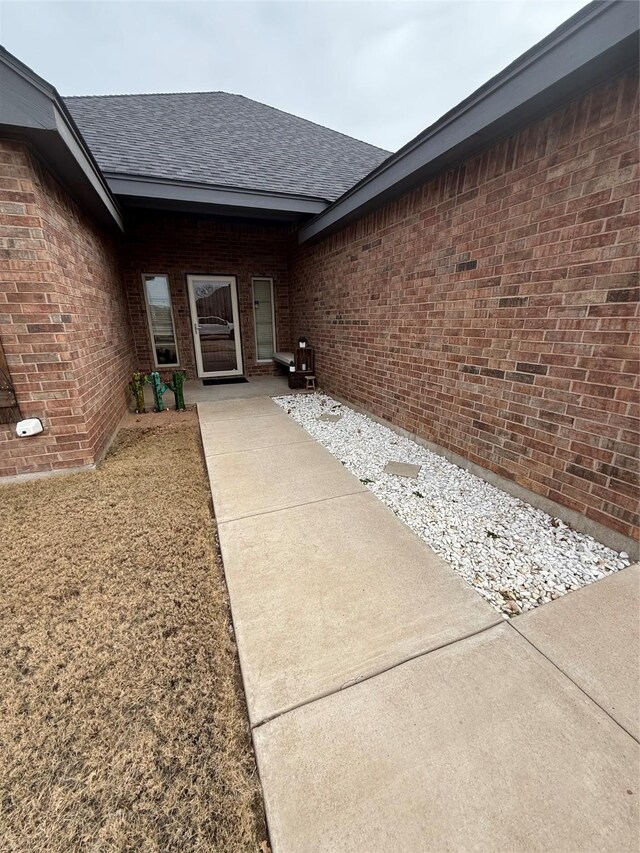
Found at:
<point>177,386</point>
<point>158,390</point>
<point>136,386</point>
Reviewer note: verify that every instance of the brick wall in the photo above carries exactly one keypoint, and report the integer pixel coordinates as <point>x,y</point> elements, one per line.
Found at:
<point>178,245</point>
<point>64,324</point>
<point>494,310</point>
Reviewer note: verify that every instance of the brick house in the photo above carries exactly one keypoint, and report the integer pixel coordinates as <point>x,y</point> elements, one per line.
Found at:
<point>478,288</point>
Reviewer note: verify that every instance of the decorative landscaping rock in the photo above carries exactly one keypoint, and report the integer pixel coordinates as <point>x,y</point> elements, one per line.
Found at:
<point>509,551</point>
<point>402,469</point>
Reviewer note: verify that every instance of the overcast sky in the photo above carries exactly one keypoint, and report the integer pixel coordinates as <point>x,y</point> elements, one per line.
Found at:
<point>379,71</point>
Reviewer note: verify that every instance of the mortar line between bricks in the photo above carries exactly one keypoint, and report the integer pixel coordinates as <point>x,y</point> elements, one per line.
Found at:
<point>568,677</point>
<point>354,683</point>
<point>289,506</point>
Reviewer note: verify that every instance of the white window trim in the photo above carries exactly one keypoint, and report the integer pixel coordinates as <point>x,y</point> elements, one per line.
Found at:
<point>146,275</point>
<point>273,317</point>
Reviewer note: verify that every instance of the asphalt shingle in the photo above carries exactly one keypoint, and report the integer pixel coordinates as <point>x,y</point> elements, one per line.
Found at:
<point>223,140</point>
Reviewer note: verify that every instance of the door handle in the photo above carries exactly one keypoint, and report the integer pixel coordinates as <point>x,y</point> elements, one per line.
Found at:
<point>196,328</point>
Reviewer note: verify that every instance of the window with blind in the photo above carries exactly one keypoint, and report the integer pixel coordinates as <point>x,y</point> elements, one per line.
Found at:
<point>264,318</point>
<point>157,294</point>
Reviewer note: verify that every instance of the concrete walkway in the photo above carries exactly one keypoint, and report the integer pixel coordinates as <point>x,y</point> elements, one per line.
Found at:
<point>392,708</point>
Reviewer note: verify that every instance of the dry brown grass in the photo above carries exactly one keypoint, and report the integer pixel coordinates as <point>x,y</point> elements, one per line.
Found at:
<point>122,717</point>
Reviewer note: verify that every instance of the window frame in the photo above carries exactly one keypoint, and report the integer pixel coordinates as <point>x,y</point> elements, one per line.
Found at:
<point>145,276</point>
<point>273,317</point>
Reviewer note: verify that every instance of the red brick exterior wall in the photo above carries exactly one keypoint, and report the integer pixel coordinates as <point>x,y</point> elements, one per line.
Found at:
<point>64,324</point>
<point>526,364</point>
<point>178,245</point>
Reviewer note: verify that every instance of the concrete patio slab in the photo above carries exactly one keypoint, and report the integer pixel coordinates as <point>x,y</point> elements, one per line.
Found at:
<point>592,636</point>
<point>196,392</point>
<point>232,436</point>
<point>223,410</point>
<point>256,481</point>
<point>482,745</point>
<point>326,594</point>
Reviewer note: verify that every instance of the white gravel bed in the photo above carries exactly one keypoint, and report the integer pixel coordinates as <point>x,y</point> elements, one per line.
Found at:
<point>514,555</point>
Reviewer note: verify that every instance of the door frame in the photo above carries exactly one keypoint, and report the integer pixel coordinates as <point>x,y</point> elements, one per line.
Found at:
<point>231,280</point>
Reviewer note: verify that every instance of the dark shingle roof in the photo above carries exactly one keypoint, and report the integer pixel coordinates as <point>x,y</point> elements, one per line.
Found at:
<point>223,140</point>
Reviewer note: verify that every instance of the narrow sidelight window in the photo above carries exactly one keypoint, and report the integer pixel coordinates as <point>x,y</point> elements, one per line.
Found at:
<point>264,318</point>
<point>161,326</point>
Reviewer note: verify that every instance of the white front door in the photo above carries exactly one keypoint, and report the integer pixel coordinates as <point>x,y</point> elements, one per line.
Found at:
<point>216,324</point>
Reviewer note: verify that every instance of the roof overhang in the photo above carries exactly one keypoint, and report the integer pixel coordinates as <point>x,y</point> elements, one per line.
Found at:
<point>595,44</point>
<point>32,111</point>
<point>183,196</point>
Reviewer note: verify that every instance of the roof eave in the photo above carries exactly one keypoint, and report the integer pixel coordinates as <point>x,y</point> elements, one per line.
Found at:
<point>598,42</point>
<point>31,110</point>
<point>185,196</point>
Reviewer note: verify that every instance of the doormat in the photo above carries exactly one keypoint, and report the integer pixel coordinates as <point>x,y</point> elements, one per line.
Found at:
<point>224,380</point>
